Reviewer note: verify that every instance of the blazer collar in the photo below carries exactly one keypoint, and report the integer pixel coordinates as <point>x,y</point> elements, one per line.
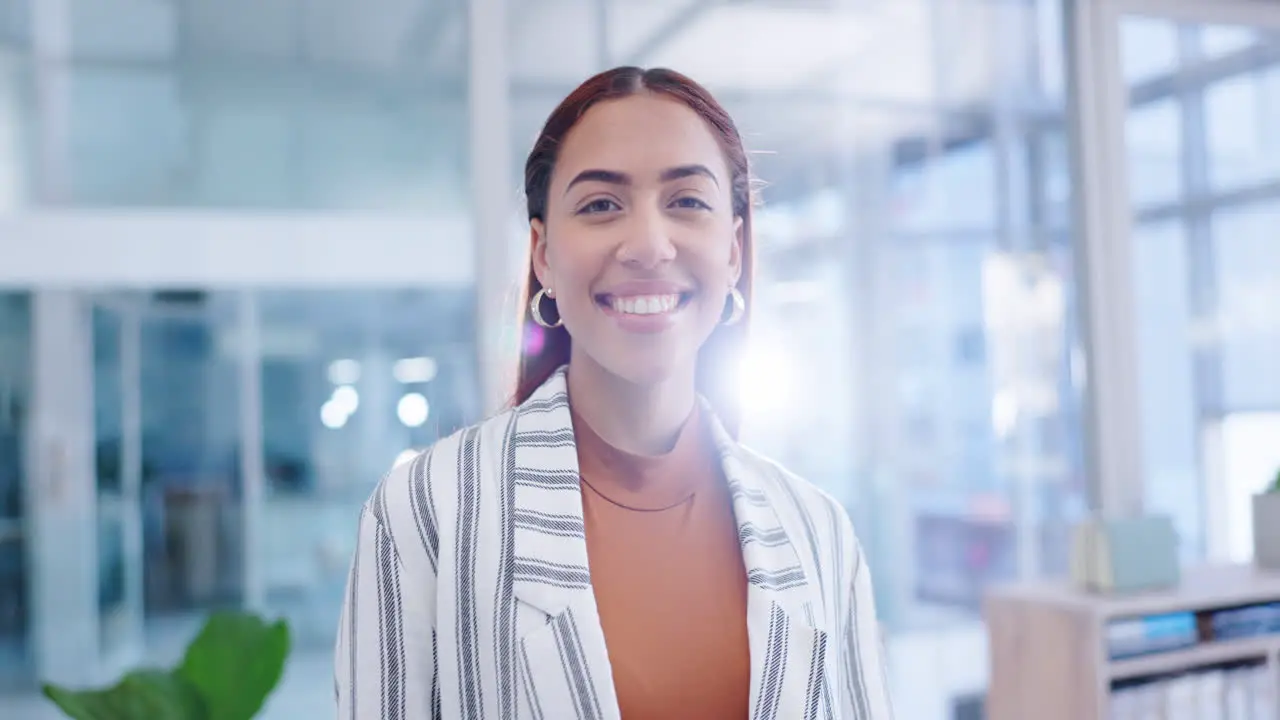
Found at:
<point>550,541</point>
<point>565,663</point>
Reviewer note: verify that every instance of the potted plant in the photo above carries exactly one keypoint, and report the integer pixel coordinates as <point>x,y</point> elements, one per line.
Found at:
<point>226,673</point>
<point>1266,526</point>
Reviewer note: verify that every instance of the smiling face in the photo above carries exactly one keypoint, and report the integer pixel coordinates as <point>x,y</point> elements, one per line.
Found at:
<point>640,245</point>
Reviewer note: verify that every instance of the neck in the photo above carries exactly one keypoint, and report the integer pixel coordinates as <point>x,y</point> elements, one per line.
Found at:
<point>639,419</point>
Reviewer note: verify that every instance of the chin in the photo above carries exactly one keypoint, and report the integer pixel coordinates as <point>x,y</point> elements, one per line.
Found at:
<point>642,368</point>
<point>644,371</point>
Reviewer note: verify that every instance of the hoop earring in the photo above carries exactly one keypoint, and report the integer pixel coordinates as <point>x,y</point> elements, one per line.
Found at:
<point>739,307</point>
<point>535,309</point>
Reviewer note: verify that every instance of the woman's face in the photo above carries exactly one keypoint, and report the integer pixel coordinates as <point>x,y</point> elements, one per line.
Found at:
<point>640,245</point>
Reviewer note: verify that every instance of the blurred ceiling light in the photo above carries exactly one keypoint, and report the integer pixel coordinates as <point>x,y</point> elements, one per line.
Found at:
<point>333,416</point>
<point>344,372</point>
<point>415,370</point>
<point>413,410</point>
<point>346,399</point>
<point>405,456</point>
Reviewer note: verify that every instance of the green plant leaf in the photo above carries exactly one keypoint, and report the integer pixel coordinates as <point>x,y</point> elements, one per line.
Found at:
<point>235,662</point>
<point>140,695</point>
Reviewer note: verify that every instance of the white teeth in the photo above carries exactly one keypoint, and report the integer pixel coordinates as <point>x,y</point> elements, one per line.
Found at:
<point>646,304</point>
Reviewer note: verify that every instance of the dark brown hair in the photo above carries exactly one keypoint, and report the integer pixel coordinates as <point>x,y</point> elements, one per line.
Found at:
<point>544,350</point>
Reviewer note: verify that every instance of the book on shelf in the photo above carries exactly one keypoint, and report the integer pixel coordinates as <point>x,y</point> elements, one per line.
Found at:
<point>1130,637</point>
<point>1239,691</point>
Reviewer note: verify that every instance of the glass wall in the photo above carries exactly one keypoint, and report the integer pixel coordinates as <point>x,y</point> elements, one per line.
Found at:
<point>15,384</point>
<point>230,104</point>
<point>915,290</point>
<point>353,382</point>
<point>1205,184</point>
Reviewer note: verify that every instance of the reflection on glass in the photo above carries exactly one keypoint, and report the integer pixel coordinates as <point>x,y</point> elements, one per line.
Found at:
<point>351,381</point>
<point>1154,137</point>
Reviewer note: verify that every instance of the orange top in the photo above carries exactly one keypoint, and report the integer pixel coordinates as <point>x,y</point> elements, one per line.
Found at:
<point>668,575</point>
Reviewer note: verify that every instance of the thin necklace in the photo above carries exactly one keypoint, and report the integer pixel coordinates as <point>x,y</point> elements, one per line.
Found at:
<point>632,508</point>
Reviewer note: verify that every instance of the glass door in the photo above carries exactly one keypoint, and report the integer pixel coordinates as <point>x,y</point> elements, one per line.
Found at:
<point>1201,80</point>
<point>192,493</point>
<point>118,466</point>
<point>15,381</point>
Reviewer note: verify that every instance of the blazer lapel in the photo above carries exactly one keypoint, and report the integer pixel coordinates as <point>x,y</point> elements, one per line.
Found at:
<point>564,665</point>
<point>788,649</point>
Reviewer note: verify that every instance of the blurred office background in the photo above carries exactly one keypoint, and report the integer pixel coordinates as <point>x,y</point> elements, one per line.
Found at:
<point>1018,259</point>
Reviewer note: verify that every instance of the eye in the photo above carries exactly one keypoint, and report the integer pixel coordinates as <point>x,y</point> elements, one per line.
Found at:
<point>688,202</point>
<point>598,206</point>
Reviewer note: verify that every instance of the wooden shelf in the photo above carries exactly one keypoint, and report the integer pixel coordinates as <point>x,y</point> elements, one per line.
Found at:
<point>1210,653</point>
<point>1047,641</point>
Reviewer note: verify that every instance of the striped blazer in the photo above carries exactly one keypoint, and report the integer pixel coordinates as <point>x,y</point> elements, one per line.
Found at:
<point>470,593</point>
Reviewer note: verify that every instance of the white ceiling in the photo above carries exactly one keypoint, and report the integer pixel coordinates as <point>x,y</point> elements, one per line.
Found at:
<point>808,70</point>
<point>791,72</point>
<point>886,50</point>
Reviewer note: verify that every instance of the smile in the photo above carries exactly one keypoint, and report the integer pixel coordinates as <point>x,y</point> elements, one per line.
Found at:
<point>645,304</point>
<point>644,314</point>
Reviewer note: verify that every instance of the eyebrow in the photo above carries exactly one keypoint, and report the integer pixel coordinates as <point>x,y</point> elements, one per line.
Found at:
<point>613,177</point>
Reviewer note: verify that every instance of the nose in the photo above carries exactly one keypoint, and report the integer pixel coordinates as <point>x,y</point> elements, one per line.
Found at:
<point>647,243</point>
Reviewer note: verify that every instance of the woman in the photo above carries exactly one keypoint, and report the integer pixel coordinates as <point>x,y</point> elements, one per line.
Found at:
<point>606,549</point>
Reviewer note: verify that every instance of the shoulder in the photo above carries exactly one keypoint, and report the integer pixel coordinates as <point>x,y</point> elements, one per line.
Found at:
<point>795,495</point>
<point>811,516</point>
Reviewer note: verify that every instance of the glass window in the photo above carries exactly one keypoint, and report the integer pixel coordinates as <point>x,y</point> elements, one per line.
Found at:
<point>952,191</point>
<point>1154,137</point>
<point>1241,115</point>
<point>15,384</point>
<point>1219,40</point>
<point>1054,179</point>
<point>1166,373</point>
<point>1148,48</point>
<point>1247,277</point>
<point>353,382</point>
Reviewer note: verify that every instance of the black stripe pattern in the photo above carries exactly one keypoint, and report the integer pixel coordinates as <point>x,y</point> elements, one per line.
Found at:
<point>470,591</point>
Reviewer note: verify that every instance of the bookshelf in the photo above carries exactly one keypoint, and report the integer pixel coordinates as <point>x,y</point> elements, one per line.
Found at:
<point>1207,649</point>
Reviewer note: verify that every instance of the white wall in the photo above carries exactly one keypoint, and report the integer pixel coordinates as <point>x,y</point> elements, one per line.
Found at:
<point>220,250</point>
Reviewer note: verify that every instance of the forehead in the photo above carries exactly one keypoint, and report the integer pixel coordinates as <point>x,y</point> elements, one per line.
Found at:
<point>640,135</point>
